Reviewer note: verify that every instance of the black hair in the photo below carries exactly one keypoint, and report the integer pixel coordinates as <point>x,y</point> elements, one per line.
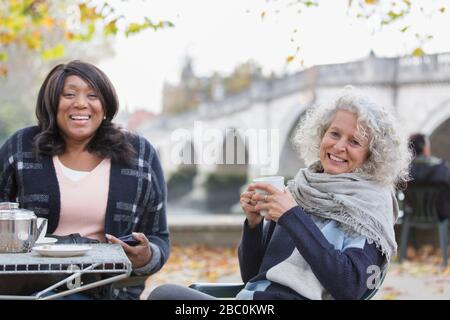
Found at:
<point>417,143</point>
<point>109,140</point>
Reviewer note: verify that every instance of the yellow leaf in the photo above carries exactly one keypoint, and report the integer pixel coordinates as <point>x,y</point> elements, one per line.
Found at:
<point>111,28</point>
<point>133,28</point>
<point>3,56</point>
<point>418,52</point>
<point>442,10</point>
<point>263,14</point>
<point>370,2</point>
<point>33,42</point>
<point>48,22</point>
<point>6,38</point>
<point>290,59</point>
<point>390,296</point>
<point>69,36</point>
<point>53,53</point>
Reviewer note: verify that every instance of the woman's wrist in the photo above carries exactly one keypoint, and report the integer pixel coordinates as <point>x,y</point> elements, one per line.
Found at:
<point>252,223</point>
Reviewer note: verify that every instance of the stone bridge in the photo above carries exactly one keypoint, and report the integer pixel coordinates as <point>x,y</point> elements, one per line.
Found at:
<point>250,132</point>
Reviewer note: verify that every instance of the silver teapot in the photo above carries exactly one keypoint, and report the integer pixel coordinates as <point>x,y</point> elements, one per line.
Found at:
<point>19,228</point>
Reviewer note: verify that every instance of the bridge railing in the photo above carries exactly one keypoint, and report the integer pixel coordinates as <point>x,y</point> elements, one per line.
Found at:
<point>371,71</point>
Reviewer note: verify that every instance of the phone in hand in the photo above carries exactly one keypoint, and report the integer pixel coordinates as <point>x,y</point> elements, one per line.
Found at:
<point>129,240</point>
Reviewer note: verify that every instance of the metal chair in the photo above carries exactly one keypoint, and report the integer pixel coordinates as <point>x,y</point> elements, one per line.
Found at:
<point>422,205</point>
<point>230,290</point>
<point>220,289</point>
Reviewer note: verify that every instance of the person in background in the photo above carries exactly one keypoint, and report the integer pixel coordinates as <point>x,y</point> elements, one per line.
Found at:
<point>426,168</point>
<point>332,228</point>
<point>85,174</point>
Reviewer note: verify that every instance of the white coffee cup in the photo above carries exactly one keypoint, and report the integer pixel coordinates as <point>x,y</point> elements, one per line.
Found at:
<point>276,181</point>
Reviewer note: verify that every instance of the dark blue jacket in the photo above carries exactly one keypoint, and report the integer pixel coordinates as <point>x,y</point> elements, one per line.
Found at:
<point>136,198</point>
<point>341,263</point>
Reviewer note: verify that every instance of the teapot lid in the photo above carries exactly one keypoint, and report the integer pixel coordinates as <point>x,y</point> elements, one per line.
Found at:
<point>10,210</point>
<point>9,205</point>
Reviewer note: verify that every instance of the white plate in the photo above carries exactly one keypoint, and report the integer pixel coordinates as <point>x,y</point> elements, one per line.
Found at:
<point>62,250</point>
<point>45,240</point>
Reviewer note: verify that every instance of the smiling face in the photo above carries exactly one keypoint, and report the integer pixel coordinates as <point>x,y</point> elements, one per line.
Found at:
<point>342,149</point>
<point>80,111</point>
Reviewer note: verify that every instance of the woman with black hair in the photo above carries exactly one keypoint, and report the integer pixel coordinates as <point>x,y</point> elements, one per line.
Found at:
<point>86,175</point>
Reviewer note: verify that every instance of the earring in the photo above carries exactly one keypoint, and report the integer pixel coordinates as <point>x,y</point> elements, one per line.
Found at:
<point>104,118</point>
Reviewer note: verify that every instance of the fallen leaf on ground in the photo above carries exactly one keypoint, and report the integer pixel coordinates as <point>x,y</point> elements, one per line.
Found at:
<point>196,263</point>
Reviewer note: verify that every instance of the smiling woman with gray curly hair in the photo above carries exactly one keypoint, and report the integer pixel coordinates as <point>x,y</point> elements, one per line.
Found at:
<point>335,220</point>
<point>330,233</point>
<point>388,157</point>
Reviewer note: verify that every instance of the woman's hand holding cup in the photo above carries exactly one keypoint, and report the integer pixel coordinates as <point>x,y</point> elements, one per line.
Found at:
<point>272,197</point>
<point>248,206</point>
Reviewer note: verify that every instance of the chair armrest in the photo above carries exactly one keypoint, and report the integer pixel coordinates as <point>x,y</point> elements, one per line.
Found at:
<point>218,290</point>
<point>371,292</point>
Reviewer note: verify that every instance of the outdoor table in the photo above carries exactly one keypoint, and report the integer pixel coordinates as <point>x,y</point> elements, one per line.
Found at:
<point>103,259</point>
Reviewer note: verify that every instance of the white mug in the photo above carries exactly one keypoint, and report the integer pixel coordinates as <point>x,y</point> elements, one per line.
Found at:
<point>276,181</point>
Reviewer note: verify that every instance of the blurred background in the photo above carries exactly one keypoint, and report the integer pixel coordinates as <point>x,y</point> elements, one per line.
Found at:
<point>229,81</point>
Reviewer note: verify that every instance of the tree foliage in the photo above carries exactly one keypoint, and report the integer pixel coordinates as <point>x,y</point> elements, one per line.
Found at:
<point>32,24</point>
<point>380,14</point>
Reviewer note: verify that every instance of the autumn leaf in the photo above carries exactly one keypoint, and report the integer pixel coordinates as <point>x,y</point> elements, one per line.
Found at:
<point>48,22</point>
<point>310,3</point>
<point>69,36</point>
<point>394,15</point>
<point>418,52</point>
<point>290,59</point>
<point>88,13</point>
<point>3,56</point>
<point>111,28</point>
<point>209,264</point>
<point>133,28</point>
<point>390,296</point>
<point>404,29</point>
<point>6,38</point>
<point>3,71</point>
<point>263,14</point>
<point>53,53</point>
<point>371,2</point>
<point>26,23</point>
<point>33,42</point>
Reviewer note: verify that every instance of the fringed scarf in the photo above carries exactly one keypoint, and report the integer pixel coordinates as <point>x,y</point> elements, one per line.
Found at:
<point>362,207</point>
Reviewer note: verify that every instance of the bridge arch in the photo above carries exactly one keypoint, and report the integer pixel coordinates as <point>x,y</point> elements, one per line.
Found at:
<point>290,161</point>
<point>181,180</point>
<point>438,128</point>
<point>437,117</point>
<point>223,185</point>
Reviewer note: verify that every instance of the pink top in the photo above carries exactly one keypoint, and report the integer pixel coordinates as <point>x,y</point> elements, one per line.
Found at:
<point>83,202</point>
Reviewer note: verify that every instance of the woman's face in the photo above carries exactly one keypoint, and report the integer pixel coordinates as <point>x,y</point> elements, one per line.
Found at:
<point>342,149</point>
<point>80,111</point>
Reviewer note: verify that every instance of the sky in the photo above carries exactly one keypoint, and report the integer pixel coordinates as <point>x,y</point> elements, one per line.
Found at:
<point>220,34</point>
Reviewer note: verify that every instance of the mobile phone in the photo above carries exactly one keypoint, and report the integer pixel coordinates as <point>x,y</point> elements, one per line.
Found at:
<point>129,240</point>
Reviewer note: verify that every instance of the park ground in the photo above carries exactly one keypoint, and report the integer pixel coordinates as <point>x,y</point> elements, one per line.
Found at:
<point>421,277</point>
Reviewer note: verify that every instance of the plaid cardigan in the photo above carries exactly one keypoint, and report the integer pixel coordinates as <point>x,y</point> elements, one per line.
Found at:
<point>136,197</point>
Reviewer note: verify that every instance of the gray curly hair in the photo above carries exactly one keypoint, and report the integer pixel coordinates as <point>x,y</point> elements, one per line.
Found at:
<point>389,156</point>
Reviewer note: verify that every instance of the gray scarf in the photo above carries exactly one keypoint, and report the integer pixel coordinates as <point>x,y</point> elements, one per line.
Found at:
<point>362,207</point>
